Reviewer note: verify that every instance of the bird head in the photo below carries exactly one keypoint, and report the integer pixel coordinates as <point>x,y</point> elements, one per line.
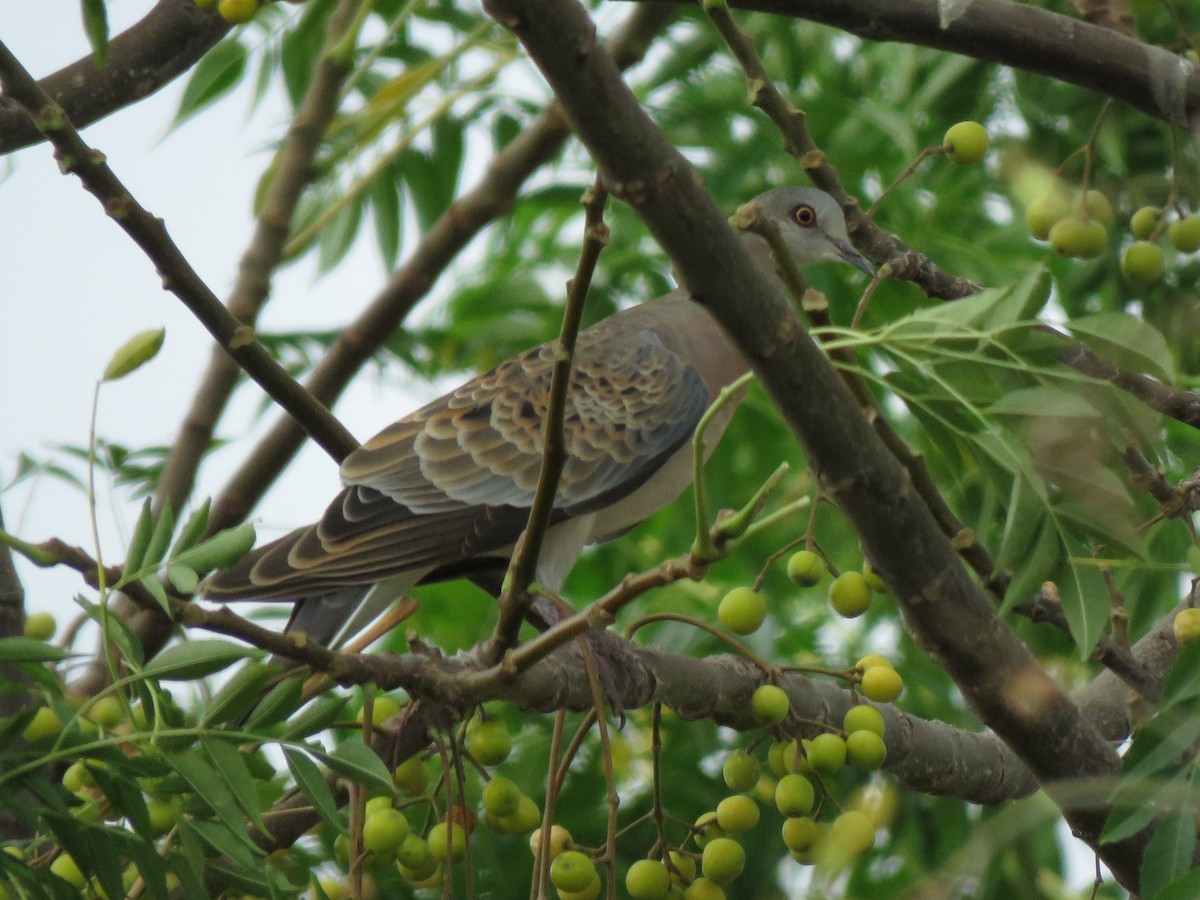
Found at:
<point>812,225</point>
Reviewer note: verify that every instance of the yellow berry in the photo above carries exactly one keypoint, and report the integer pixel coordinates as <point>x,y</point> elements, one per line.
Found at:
<point>1143,263</point>
<point>648,879</point>
<point>45,722</point>
<point>1078,239</point>
<point>805,568</point>
<point>865,750</point>
<point>737,814</point>
<point>1094,205</point>
<point>1044,211</point>
<point>237,12</point>
<point>850,595</point>
<point>881,684</point>
<point>742,610</point>
<point>1186,626</point>
<point>723,860</point>
<point>1143,222</point>
<point>969,142</point>
<point>572,871</point>
<point>1185,234</point>
<point>560,839</point>
<point>863,718</point>
<point>40,626</point>
<point>769,704</point>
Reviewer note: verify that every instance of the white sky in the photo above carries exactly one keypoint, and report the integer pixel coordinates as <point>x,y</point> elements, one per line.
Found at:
<point>74,288</point>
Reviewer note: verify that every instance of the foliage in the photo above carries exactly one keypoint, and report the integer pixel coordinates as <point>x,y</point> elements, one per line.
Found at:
<point>1031,455</point>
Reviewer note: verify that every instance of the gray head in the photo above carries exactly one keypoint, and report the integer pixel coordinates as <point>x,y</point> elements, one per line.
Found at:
<point>812,226</point>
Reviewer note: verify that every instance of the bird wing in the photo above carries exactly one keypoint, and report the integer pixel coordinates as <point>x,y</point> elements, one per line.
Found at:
<point>454,480</point>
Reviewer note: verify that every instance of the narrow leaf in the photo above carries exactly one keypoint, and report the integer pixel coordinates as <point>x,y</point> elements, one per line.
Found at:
<point>140,540</point>
<point>358,762</point>
<point>221,550</point>
<point>95,23</point>
<point>134,353</point>
<point>1169,853</point>
<point>310,780</point>
<point>193,529</point>
<point>232,768</point>
<point>27,650</point>
<point>197,772</point>
<point>189,660</point>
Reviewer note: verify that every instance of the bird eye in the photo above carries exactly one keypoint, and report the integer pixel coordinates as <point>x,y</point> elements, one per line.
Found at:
<point>804,216</point>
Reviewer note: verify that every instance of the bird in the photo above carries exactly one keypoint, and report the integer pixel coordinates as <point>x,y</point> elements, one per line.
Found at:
<point>445,492</point>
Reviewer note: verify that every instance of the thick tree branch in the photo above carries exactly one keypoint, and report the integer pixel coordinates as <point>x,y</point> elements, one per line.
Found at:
<point>1153,80</point>
<point>947,611</point>
<point>164,44</point>
<point>150,233</point>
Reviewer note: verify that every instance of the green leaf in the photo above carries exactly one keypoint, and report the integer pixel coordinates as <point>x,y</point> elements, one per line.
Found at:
<point>310,780</point>
<point>231,767</point>
<point>1169,853</point>
<point>358,762</point>
<point>212,789</point>
<point>192,659</point>
<point>155,587</point>
<point>1044,401</point>
<point>184,578</point>
<point>386,214</point>
<point>134,353</point>
<point>239,694</point>
<point>217,73</point>
<point>27,650</point>
<point>1185,888</point>
<point>281,701</point>
<point>95,23</point>
<point>1128,342</point>
<point>225,841</point>
<point>140,541</point>
<point>193,529</point>
<point>221,550</point>
<point>160,538</point>
<point>320,714</point>
<point>1035,568</point>
<point>1085,603</point>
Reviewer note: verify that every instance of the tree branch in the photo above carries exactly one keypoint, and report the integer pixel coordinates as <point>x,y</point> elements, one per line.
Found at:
<point>150,54</point>
<point>150,233</point>
<point>1153,80</point>
<point>948,613</point>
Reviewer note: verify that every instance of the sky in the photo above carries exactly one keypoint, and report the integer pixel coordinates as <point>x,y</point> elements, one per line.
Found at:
<point>74,288</point>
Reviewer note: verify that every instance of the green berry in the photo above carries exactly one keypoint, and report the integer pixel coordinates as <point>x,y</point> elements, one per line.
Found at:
<point>162,815</point>
<point>45,723</point>
<point>826,753</point>
<point>863,718</point>
<point>704,889</point>
<point>40,626</point>
<point>1186,626</point>
<point>415,855</point>
<point>737,814</point>
<point>874,659</point>
<point>742,610</point>
<point>1078,239</point>
<point>805,568</point>
<point>384,830</point>
<point>873,580</point>
<point>799,833</point>
<point>501,797</point>
<point>488,741</point>
<point>560,839</point>
<point>1185,234</point>
<point>769,704</point>
<point>1094,205</point>
<point>411,776</point>
<point>438,836</point>
<point>237,12</point>
<point>685,867</point>
<point>382,709</point>
<point>572,871</point>
<point>850,595</point>
<point>794,795</point>
<point>107,712</point>
<point>706,829</point>
<point>68,870</point>
<point>1044,211</point>
<point>591,892</point>
<point>853,833</point>
<point>741,771</point>
<point>865,750</point>
<point>1143,222</point>
<point>969,141</point>
<point>527,817</point>
<point>723,860</point>
<point>648,879</point>
<point>881,684</point>
<point>1143,263</point>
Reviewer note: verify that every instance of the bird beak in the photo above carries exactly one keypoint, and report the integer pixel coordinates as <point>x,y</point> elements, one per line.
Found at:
<point>847,253</point>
